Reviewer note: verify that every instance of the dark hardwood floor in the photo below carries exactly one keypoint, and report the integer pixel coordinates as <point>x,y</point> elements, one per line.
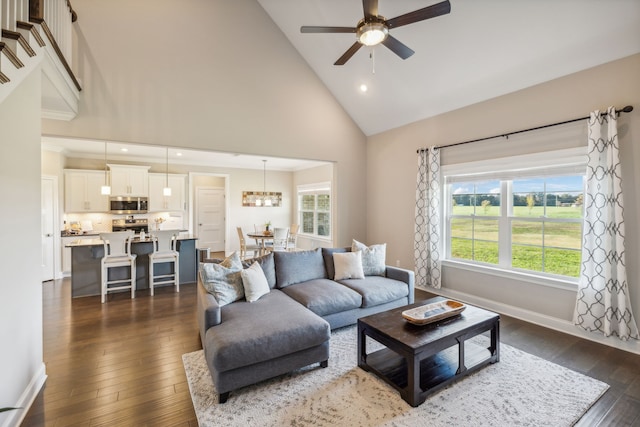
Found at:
<point>119,363</point>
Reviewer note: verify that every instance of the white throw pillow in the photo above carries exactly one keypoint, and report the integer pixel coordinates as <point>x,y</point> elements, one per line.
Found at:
<point>348,265</point>
<point>254,282</point>
<point>373,258</point>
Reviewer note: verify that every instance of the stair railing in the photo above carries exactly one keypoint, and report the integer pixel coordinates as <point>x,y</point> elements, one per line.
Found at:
<point>55,18</point>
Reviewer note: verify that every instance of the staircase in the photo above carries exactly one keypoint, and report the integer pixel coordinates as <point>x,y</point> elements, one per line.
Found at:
<point>39,33</point>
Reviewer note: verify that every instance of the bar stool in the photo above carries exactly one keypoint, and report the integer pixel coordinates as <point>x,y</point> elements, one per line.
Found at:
<point>164,251</point>
<point>117,253</point>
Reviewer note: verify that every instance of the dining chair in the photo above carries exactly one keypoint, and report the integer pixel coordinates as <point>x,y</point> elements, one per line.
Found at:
<point>164,251</point>
<point>292,239</point>
<point>280,238</point>
<point>244,247</point>
<point>117,253</point>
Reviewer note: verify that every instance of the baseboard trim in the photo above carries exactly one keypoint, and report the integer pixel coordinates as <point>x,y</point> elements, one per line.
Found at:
<point>15,418</point>
<point>632,346</point>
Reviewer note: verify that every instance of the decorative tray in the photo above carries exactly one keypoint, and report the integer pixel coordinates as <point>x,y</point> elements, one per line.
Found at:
<point>433,312</point>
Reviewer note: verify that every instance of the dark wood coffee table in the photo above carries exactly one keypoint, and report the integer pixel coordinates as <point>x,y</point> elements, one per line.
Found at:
<point>420,360</point>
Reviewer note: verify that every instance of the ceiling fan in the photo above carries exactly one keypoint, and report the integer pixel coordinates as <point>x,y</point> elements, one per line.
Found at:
<point>374,29</point>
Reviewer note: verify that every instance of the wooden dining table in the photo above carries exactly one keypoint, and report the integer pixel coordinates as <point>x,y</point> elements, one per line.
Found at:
<point>262,240</point>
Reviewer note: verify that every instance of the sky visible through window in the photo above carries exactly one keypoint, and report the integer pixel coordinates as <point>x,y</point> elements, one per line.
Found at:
<point>570,183</point>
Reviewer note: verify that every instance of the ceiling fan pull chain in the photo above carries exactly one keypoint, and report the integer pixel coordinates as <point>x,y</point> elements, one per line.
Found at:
<point>373,61</point>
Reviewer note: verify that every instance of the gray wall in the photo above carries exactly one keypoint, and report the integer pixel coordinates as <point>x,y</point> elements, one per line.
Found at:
<point>21,366</point>
<point>392,161</point>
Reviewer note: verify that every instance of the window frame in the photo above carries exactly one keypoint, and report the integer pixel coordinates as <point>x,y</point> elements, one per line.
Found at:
<point>321,188</point>
<point>567,161</point>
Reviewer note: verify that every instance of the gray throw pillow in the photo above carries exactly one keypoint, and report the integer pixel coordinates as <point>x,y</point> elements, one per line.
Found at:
<point>224,280</point>
<point>373,258</point>
<point>298,267</point>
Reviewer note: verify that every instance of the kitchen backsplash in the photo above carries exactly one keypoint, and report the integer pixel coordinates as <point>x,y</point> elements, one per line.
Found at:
<point>101,222</point>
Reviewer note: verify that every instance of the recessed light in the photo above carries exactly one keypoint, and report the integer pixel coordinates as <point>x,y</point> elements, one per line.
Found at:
<point>178,154</point>
<point>363,87</point>
<point>124,150</point>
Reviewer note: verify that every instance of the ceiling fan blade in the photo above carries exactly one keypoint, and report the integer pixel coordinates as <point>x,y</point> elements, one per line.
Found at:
<point>312,29</point>
<point>348,54</point>
<point>432,11</point>
<point>370,8</point>
<point>397,47</point>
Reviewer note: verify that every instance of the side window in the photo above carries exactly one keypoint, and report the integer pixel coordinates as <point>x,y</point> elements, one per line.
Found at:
<point>314,209</point>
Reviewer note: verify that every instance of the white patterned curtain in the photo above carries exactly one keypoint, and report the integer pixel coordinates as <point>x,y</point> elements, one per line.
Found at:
<point>603,302</point>
<point>427,228</point>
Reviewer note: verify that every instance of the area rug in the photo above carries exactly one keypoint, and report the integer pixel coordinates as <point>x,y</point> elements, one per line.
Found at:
<point>520,390</point>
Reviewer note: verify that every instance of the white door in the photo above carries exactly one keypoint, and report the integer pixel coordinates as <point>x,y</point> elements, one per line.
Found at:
<point>210,225</point>
<point>47,229</point>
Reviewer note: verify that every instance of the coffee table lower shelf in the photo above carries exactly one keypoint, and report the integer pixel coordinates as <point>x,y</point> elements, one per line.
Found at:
<point>436,371</point>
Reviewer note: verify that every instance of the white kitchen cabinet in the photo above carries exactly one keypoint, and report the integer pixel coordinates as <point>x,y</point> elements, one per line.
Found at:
<point>158,202</point>
<point>82,191</point>
<point>131,181</point>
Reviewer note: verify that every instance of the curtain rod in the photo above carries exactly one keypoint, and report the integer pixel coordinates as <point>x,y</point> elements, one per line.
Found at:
<point>626,109</point>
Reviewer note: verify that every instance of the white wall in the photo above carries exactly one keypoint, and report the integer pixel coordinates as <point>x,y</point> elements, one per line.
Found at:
<point>392,161</point>
<point>21,364</point>
<point>174,73</point>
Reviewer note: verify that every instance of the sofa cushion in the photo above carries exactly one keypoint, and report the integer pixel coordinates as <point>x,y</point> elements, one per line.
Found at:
<point>348,265</point>
<point>297,267</point>
<point>268,267</point>
<point>373,257</point>
<point>324,296</point>
<point>327,255</point>
<point>254,282</point>
<point>223,280</point>
<point>271,327</point>
<point>376,290</point>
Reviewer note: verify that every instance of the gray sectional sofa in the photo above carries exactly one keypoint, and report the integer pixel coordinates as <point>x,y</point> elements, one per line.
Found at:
<point>290,326</point>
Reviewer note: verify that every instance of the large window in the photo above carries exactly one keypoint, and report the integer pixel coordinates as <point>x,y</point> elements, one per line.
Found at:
<point>314,209</point>
<point>526,219</point>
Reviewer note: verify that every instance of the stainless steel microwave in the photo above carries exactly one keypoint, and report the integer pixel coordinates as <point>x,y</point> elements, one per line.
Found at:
<point>128,205</point>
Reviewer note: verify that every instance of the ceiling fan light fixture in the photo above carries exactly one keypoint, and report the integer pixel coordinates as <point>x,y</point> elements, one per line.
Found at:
<point>372,33</point>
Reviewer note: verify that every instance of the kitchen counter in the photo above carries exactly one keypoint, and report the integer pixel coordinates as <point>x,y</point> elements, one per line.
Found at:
<point>85,233</point>
<point>86,255</point>
<point>97,241</point>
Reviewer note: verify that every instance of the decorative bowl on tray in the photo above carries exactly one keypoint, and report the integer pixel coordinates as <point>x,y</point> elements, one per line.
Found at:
<point>433,312</point>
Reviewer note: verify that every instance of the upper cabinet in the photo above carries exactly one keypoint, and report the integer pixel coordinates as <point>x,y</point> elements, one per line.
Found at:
<point>82,191</point>
<point>176,202</point>
<point>129,181</point>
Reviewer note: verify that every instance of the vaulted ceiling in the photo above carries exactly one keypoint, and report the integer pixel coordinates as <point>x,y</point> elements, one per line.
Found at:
<point>481,50</point>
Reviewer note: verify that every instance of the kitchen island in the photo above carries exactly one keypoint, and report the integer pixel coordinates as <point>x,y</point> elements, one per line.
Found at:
<point>86,256</point>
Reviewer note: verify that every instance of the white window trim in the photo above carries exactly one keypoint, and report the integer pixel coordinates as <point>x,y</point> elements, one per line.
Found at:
<point>545,162</point>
